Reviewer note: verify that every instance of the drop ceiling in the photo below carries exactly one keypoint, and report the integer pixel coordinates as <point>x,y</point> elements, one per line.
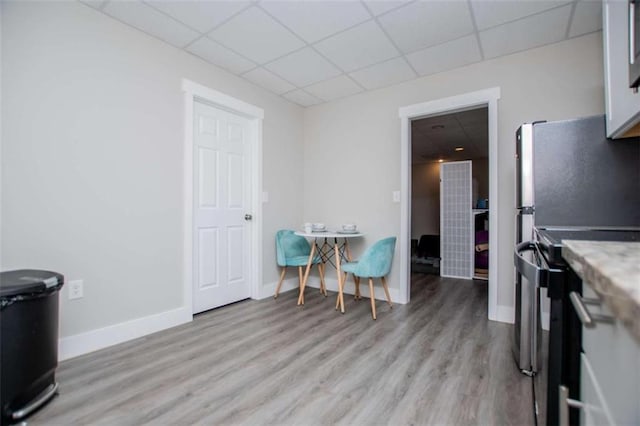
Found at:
<point>437,137</point>
<point>311,52</point>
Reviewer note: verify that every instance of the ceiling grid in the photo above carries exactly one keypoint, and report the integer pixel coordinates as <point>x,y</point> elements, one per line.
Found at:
<point>311,52</point>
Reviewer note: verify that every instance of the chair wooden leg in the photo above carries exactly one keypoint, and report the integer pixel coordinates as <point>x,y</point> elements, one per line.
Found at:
<point>386,291</point>
<point>373,298</point>
<point>356,280</point>
<point>323,286</point>
<point>284,269</point>
<point>300,281</point>
<point>303,281</point>
<point>339,274</point>
<point>344,280</point>
<point>356,283</point>
<point>300,275</point>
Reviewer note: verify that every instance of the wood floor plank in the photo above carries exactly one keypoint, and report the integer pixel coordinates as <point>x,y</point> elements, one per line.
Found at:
<point>436,360</point>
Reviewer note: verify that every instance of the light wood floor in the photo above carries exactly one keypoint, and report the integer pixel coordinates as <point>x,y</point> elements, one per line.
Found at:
<point>437,360</point>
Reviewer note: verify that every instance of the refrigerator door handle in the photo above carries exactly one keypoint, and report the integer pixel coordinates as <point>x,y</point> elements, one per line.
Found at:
<point>525,268</point>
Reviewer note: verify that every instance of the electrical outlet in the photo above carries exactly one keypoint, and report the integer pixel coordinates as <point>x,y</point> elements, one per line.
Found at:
<point>76,289</point>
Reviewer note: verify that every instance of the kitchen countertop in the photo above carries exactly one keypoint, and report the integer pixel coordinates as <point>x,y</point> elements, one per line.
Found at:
<point>612,269</point>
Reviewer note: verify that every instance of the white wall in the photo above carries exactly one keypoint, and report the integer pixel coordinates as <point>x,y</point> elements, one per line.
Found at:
<point>92,148</point>
<point>352,146</point>
<point>425,199</point>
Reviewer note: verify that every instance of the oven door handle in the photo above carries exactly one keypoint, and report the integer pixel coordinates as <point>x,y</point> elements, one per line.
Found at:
<point>540,276</point>
<point>527,269</point>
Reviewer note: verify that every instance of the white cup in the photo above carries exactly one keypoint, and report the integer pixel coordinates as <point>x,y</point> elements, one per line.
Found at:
<point>349,227</point>
<point>307,228</point>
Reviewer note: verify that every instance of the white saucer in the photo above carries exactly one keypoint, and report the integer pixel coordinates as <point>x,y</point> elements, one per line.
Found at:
<point>318,230</point>
<point>342,231</point>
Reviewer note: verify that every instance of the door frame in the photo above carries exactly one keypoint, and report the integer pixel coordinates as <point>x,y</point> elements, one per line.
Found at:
<point>193,91</point>
<point>487,97</point>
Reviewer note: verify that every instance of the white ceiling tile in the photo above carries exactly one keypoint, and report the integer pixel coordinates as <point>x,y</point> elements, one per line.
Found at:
<point>384,74</point>
<point>264,41</point>
<point>200,15</point>
<point>587,18</point>
<point>537,30</point>
<point>427,23</point>
<point>302,98</point>
<point>151,21</point>
<point>334,88</point>
<point>303,67</point>
<point>358,47</point>
<point>491,13</point>
<point>446,56</point>
<point>219,55</point>
<point>257,36</point>
<point>314,20</point>
<point>269,80</point>
<point>378,7</point>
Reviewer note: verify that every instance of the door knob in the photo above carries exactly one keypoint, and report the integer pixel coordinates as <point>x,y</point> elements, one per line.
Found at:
<point>248,216</point>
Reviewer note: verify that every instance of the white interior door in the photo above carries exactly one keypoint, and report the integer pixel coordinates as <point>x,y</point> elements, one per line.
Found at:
<point>456,220</point>
<point>222,198</point>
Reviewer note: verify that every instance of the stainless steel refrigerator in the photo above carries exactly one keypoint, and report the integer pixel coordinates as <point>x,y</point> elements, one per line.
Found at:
<point>568,174</point>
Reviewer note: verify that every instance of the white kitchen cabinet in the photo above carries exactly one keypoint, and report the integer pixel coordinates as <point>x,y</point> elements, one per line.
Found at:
<point>610,370</point>
<point>621,103</point>
<point>595,411</point>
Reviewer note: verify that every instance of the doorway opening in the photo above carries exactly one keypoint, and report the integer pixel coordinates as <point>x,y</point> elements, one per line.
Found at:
<point>483,98</point>
<point>449,194</point>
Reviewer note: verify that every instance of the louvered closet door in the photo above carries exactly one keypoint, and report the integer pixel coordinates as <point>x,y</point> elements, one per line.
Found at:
<point>222,177</point>
<point>456,220</point>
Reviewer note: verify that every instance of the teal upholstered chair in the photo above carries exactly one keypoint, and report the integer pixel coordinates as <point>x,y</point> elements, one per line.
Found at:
<point>294,250</point>
<point>375,262</point>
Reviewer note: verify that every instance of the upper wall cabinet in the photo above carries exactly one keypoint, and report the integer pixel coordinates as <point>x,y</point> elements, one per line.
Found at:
<point>622,103</point>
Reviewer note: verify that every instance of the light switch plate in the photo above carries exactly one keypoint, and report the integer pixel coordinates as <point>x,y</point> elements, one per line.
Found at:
<point>396,196</point>
<point>265,196</point>
<point>76,289</point>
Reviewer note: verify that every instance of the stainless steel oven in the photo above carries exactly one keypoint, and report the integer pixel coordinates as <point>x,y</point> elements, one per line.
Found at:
<point>540,263</point>
<point>547,361</point>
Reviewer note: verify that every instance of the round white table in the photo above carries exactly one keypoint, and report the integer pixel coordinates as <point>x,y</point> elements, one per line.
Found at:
<point>323,247</point>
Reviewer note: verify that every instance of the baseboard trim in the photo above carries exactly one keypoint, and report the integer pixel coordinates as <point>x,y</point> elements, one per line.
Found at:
<point>268,290</point>
<point>83,343</point>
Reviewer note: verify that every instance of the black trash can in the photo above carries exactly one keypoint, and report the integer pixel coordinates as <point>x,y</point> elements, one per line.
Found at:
<point>28,341</point>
